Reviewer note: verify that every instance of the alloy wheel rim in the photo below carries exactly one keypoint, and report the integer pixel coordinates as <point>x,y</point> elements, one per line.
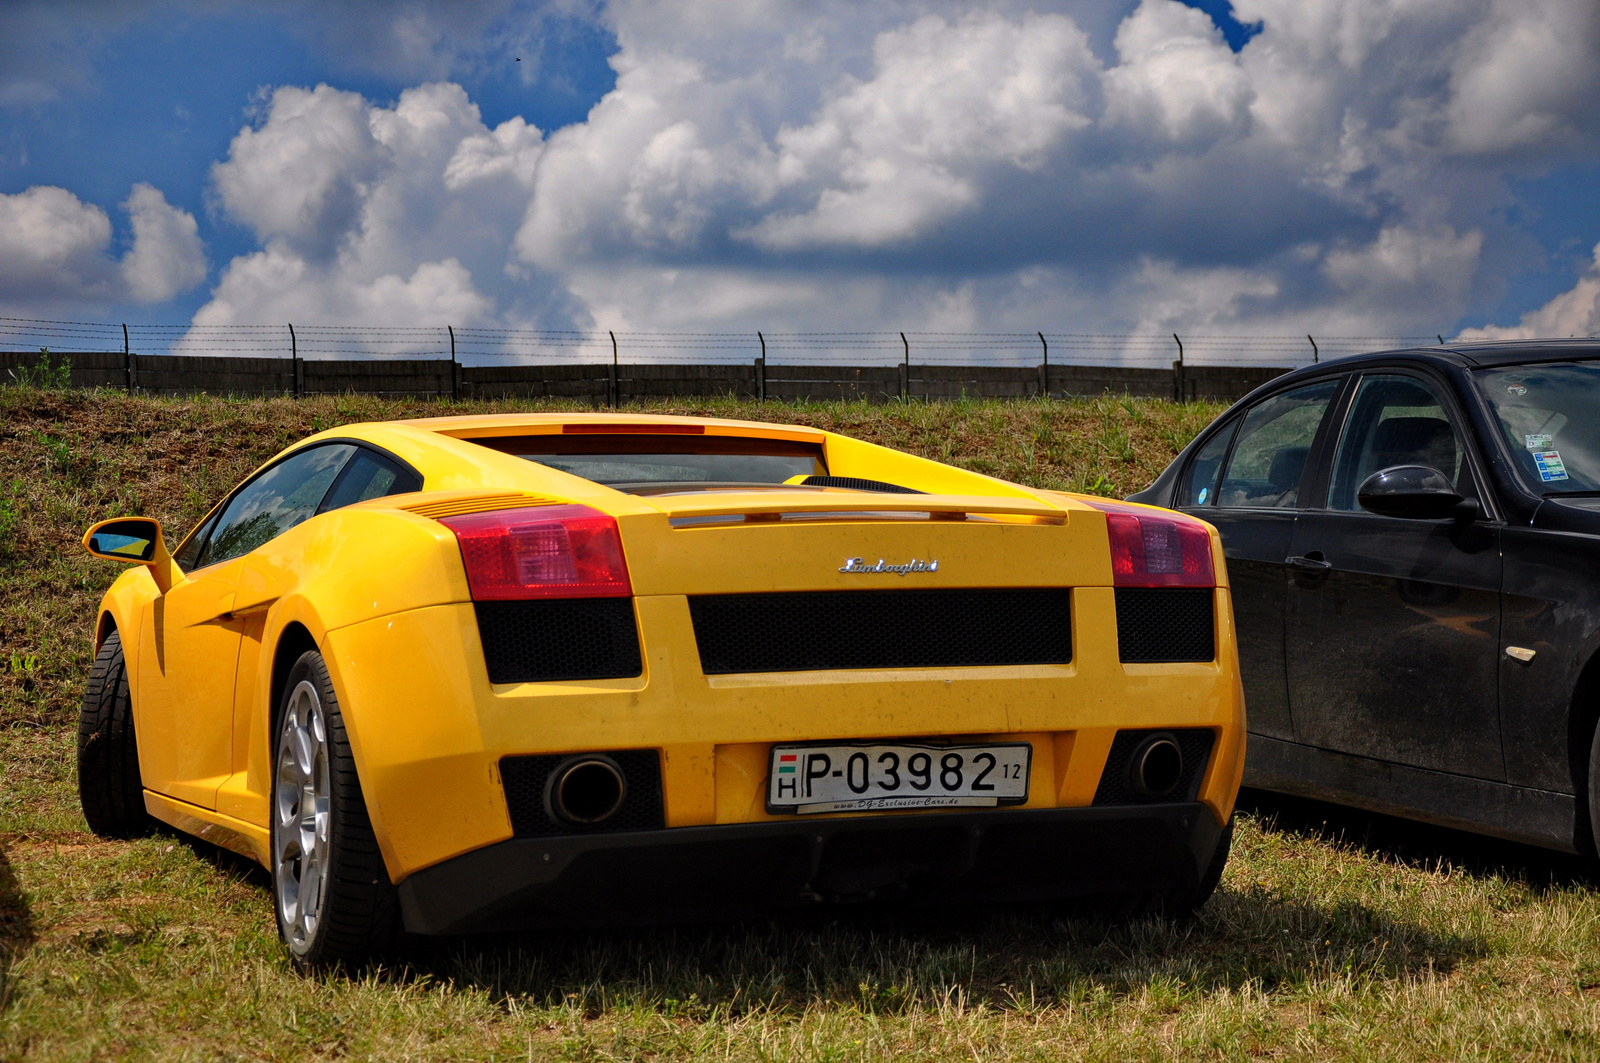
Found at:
<point>300,821</point>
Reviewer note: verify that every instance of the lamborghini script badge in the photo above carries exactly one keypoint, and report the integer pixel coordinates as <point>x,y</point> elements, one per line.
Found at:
<point>862,565</point>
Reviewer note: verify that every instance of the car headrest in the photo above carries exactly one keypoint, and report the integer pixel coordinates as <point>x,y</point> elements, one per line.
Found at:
<point>1414,441</point>
<point>1287,465</point>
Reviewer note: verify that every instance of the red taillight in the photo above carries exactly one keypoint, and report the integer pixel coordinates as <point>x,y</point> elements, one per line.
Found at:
<point>1150,550</point>
<point>542,552</point>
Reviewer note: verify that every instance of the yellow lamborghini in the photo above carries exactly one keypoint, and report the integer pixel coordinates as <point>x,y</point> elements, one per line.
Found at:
<point>482,672</point>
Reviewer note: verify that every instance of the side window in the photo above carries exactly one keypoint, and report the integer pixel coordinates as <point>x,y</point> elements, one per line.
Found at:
<point>1396,420</point>
<point>189,552</point>
<point>1205,468</point>
<point>274,502</point>
<point>369,475</point>
<point>1274,442</point>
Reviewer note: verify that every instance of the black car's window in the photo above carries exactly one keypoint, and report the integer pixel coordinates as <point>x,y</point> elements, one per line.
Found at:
<point>369,475</point>
<point>1274,442</point>
<point>1205,468</point>
<point>1550,415</point>
<point>275,501</point>
<point>1396,420</point>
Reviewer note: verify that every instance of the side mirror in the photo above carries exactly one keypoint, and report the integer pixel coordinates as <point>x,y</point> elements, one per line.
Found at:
<point>1415,492</point>
<point>132,540</point>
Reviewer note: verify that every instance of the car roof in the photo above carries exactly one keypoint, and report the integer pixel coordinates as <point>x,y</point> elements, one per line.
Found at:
<point>1484,354</point>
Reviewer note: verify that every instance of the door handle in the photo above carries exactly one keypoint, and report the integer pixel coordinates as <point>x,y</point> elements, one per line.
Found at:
<point>1312,563</point>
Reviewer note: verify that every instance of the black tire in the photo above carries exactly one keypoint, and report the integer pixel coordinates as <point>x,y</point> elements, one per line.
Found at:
<point>357,913</point>
<point>109,787</point>
<point>1183,904</point>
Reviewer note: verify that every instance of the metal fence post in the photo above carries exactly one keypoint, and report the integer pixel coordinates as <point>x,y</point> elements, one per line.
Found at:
<point>1315,354</point>
<point>1044,369</point>
<point>1178,394</point>
<point>761,370</point>
<point>127,360</point>
<point>613,389</point>
<point>294,361</point>
<point>455,366</point>
<point>905,370</point>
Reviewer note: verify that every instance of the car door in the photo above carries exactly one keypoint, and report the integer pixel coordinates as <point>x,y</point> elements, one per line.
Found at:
<point>190,651</point>
<point>1246,480</point>
<point>1393,624</point>
<point>264,579</point>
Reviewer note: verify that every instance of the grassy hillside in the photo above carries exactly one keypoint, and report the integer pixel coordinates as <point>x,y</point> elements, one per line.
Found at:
<point>1334,935</point>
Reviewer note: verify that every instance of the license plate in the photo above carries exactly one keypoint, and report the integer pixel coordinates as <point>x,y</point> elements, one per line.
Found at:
<point>870,778</point>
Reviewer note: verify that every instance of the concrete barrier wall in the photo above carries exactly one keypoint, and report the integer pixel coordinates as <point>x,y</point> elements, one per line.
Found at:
<point>603,384</point>
<point>185,375</point>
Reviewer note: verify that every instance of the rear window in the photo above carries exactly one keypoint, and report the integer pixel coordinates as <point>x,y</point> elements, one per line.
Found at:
<point>636,460</point>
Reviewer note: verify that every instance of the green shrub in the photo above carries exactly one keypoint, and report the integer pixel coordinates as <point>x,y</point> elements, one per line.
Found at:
<point>45,374</point>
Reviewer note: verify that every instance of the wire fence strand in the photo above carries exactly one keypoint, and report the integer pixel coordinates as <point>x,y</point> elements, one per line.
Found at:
<point>479,345</point>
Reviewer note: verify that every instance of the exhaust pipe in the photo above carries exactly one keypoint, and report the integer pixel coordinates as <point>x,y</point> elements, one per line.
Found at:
<point>585,790</point>
<point>1156,766</point>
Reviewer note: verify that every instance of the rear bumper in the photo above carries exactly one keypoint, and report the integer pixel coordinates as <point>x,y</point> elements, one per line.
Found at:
<point>429,730</point>
<point>718,872</point>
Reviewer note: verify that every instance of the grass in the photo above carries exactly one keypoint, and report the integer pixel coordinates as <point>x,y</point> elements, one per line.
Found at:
<point>1334,935</point>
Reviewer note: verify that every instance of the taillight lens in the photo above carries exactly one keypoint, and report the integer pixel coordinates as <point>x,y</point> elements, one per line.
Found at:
<point>1148,550</point>
<point>542,552</point>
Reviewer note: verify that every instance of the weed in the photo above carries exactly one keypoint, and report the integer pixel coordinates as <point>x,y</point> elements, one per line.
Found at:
<point>44,374</point>
<point>59,454</point>
<point>1100,486</point>
<point>9,524</point>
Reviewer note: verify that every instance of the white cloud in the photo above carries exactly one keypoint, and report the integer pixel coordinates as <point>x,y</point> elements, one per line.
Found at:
<point>1405,269</point>
<point>920,147</point>
<point>1575,312</point>
<point>1528,77</point>
<point>300,178</point>
<point>948,100</point>
<point>275,285</point>
<point>995,165</point>
<point>54,250</point>
<point>367,214</point>
<point>1177,77</point>
<point>52,244</point>
<point>1196,299</point>
<point>167,257</point>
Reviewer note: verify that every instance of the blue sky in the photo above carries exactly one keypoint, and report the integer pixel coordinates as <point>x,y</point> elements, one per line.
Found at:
<point>1127,165</point>
<point>167,88</point>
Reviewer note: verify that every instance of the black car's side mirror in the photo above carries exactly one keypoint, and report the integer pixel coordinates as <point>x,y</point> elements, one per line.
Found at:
<point>1415,492</point>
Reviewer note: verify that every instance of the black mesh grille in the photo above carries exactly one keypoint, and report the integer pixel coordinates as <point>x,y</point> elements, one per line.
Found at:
<point>577,638</point>
<point>1163,624</point>
<point>1116,788</point>
<point>524,779</point>
<point>882,629</point>
<point>856,483</point>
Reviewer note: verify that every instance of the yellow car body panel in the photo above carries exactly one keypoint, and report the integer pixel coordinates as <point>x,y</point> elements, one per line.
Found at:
<point>379,587</point>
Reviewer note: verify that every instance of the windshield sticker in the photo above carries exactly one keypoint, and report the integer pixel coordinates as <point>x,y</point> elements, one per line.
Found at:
<point>1538,442</point>
<point>1549,465</point>
<point>1203,492</point>
<point>1516,389</point>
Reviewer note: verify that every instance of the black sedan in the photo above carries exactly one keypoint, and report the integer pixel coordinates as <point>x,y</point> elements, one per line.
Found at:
<point>1413,539</point>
